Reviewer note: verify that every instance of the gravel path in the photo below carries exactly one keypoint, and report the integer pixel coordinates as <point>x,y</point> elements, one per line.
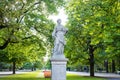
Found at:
<point>114,79</point>
<point>3,74</point>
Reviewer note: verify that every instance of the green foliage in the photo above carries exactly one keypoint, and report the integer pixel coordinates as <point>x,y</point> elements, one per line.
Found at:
<point>25,29</point>
<point>93,23</point>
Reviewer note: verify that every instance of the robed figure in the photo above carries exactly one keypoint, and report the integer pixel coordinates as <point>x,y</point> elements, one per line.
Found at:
<point>59,40</point>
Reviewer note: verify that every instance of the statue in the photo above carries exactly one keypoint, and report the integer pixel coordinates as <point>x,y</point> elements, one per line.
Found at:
<point>59,41</point>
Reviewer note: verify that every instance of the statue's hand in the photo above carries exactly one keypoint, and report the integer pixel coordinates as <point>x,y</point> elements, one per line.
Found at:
<point>66,29</point>
<point>53,37</point>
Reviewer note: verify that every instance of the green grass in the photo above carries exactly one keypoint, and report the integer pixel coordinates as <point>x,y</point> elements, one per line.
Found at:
<point>34,76</point>
<point>77,77</point>
<point>25,76</point>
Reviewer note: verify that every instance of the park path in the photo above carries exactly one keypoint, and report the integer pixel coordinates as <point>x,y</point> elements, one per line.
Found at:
<point>109,76</point>
<point>114,79</point>
<point>3,74</point>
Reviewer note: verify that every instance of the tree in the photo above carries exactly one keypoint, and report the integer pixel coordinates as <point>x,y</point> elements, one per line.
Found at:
<point>22,21</point>
<point>93,28</point>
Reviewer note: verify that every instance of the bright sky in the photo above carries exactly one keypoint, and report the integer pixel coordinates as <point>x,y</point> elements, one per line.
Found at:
<point>61,15</point>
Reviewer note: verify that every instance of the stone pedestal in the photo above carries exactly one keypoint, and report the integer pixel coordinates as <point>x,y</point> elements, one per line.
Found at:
<point>58,59</point>
<point>58,68</point>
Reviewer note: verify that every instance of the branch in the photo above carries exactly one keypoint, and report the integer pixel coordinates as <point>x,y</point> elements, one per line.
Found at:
<point>21,18</point>
<point>27,37</point>
<point>5,44</point>
<point>14,41</point>
<point>28,10</point>
<point>22,5</point>
<point>3,26</point>
<point>32,6</point>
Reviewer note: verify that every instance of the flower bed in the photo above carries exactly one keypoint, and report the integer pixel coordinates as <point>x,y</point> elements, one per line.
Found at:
<point>47,74</point>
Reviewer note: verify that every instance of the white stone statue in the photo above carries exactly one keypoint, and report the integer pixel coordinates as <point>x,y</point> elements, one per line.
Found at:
<point>59,41</point>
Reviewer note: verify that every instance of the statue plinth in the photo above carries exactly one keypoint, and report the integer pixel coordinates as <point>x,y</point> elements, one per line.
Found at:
<point>58,68</point>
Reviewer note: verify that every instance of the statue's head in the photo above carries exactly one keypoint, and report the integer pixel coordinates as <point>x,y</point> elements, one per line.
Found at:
<point>59,21</point>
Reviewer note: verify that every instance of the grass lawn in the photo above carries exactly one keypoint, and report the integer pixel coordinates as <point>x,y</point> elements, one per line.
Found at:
<point>77,77</point>
<point>34,76</point>
<point>24,76</point>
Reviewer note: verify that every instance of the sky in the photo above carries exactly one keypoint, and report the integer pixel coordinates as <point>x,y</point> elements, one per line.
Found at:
<point>61,15</point>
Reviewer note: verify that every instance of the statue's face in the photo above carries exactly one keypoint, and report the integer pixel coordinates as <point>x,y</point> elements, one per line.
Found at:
<point>59,21</point>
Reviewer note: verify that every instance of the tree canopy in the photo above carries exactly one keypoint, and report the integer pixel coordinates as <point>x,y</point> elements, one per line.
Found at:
<point>25,29</point>
<point>93,29</point>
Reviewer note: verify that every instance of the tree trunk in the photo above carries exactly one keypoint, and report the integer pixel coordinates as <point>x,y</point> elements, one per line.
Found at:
<point>91,50</point>
<point>14,67</point>
<point>113,66</point>
<point>106,66</point>
<point>119,64</point>
<point>32,69</point>
<point>91,64</point>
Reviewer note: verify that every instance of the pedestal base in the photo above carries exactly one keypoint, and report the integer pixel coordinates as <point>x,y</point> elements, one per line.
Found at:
<point>58,69</point>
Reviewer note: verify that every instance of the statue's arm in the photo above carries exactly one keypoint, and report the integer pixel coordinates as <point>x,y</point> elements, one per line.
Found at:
<point>66,29</point>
